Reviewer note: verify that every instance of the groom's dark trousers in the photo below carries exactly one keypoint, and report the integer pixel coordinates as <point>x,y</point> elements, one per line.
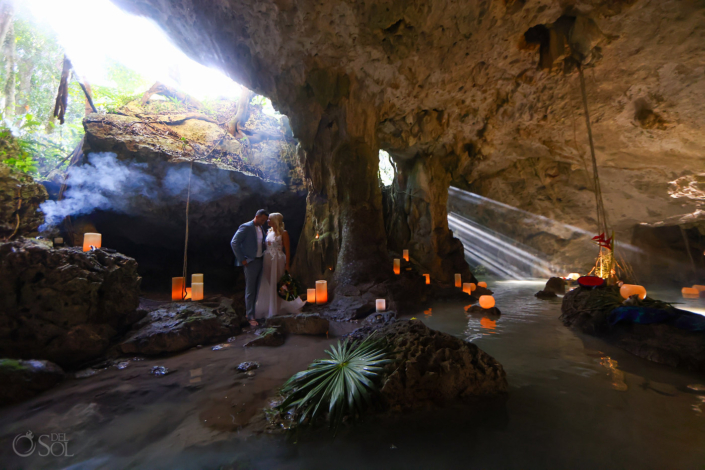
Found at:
<point>253,276</point>
<point>244,245</point>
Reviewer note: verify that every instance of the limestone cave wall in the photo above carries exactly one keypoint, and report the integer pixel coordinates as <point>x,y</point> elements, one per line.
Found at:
<point>484,90</point>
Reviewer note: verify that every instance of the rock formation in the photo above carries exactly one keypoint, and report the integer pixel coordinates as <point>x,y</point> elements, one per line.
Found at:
<point>24,379</point>
<point>20,197</point>
<point>661,342</point>
<point>482,95</point>
<point>181,326</point>
<point>435,368</point>
<point>63,305</point>
<point>232,178</point>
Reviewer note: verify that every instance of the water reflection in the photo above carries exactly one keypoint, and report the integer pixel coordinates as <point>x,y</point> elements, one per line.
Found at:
<point>617,375</point>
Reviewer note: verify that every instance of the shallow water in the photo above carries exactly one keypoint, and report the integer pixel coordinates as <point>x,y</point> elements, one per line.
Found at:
<point>574,402</point>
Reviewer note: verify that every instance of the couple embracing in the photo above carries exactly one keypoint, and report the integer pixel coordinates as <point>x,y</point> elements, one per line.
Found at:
<point>265,257</point>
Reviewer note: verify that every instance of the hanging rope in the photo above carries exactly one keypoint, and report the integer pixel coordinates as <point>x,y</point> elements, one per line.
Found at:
<point>188,202</point>
<point>601,215</point>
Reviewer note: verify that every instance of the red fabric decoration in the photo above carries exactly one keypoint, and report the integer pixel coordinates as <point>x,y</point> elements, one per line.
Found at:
<point>602,241</point>
<point>591,281</point>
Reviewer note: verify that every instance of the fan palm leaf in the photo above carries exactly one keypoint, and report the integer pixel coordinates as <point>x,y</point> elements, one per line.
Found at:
<point>343,384</point>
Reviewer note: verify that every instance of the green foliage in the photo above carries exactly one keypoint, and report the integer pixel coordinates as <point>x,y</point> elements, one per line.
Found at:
<point>45,145</point>
<point>342,385</point>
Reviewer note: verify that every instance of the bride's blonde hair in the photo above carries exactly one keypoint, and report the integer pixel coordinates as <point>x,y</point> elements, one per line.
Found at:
<point>276,221</point>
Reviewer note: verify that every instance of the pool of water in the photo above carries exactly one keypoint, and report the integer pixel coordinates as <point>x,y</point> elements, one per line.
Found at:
<point>574,402</point>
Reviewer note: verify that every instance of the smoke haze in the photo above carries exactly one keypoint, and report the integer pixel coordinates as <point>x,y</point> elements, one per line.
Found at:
<point>108,184</point>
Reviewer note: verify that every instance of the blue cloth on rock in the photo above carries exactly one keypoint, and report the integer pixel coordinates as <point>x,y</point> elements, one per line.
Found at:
<point>648,315</point>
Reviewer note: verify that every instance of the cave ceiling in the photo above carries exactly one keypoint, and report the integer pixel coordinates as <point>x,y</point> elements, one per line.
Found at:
<point>489,87</point>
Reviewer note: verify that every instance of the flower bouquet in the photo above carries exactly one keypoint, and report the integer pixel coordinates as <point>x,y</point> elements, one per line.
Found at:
<point>288,288</point>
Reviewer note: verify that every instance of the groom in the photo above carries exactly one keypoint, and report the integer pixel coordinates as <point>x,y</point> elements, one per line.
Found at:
<point>249,244</point>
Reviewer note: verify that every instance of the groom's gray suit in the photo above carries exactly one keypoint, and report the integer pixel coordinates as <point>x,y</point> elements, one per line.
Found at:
<point>244,245</point>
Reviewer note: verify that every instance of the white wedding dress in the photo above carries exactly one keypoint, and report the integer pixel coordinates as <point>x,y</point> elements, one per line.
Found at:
<point>268,301</point>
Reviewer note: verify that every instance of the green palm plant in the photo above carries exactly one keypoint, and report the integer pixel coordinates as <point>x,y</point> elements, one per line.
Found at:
<point>343,384</point>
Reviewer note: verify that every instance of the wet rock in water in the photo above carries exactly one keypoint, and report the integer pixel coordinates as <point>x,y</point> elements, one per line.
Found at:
<point>544,294</point>
<point>63,305</point>
<point>553,287</point>
<point>663,342</point>
<point>181,326</point>
<point>22,379</point>
<point>85,373</point>
<point>435,368</point>
<point>266,337</point>
<point>247,366</point>
<point>302,324</point>
<point>372,323</point>
<point>15,184</point>
<point>483,311</point>
<point>160,371</point>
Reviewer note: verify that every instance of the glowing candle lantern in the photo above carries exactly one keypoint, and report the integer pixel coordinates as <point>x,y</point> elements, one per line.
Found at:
<point>467,288</point>
<point>627,290</point>
<point>196,278</point>
<point>573,276</point>
<point>472,287</point>
<point>482,284</point>
<point>196,291</point>
<point>405,255</point>
<point>428,278</point>
<point>91,239</point>
<point>311,296</point>
<point>699,288</point>
<point>690,292</point>
<point>486,301</point>
<point>458,281</point>
<point>321,292</point>
<point>381,305</point>
<point>397,266</point>
<point>177,288</point>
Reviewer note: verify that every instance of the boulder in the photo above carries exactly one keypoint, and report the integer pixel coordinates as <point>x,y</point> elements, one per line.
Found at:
<point>302,324</point>
<point>483,311</point>
<point>15,185</point>
<point>266,337</point>
<point>63,305</point>
<point>435,368</point>
<point>23,379</point>
<point>180,326</point>
<point>663,343</point>
<point>555,285</point>
<point>545,294</point>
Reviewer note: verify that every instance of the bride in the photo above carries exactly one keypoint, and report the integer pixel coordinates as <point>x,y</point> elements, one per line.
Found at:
<point>276,262</point>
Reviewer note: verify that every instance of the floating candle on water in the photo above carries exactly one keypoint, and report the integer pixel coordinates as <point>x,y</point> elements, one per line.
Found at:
<point>311,296</point>
<point>405,255</point>
<point>486,301</point>
<point>321,292</point>
<point>690,292</point>
<point>177,289</point>
<point>627,290</point>
<point>196,291</point>
<point>428,278</point>
<point>482,284</point>
<point>472,287</point>
<point>699,288</point>
<point>458,281</point>
<point>381,305</point>
<point>91,239</point>
<point>397,266</point>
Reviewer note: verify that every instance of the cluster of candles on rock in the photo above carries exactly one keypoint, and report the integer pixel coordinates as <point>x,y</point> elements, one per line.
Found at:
<point>486,301</point>
<point>319,295</point>
<point>692,292</point>
<point>180,292</point>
